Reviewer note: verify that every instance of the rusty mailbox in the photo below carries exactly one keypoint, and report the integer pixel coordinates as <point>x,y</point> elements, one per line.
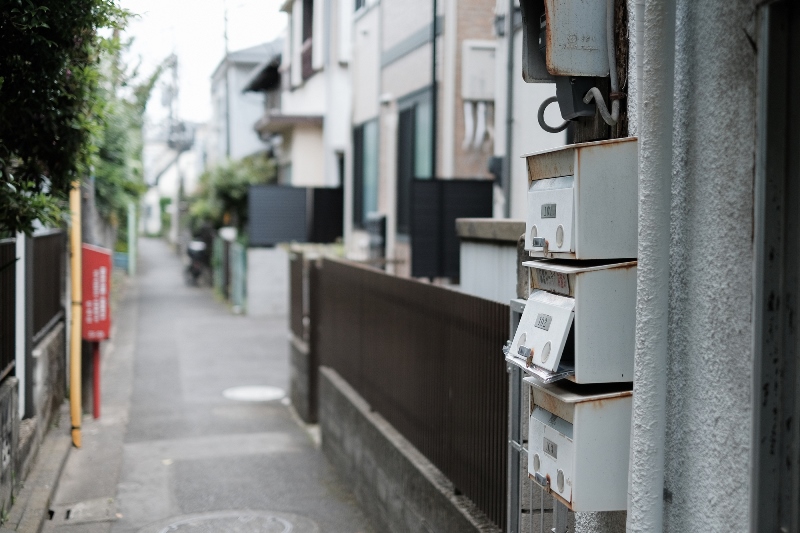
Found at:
<point>578,322</point>
<point>583,201</point>
<point>579,443</point>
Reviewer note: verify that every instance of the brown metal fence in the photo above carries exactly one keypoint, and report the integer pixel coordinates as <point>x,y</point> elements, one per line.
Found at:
<point>48,273</point>
<point>429,360</point>
<point>7,305</point>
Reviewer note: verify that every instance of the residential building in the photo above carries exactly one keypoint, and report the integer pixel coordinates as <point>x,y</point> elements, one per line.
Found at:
<point>231,134</point>
<point>308,122</point>
<point>407,126</point>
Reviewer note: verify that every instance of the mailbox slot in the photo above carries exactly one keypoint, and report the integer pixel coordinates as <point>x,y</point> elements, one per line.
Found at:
<point>579,443</point>
<point>551,214</point>
<point>578,322</point>
<point>590,191</point>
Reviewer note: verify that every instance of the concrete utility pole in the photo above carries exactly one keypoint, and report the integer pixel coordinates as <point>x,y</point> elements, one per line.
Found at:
<point>227,90</point>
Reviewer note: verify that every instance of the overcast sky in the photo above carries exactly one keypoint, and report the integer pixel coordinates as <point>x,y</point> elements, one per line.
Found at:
<point>194,30</point>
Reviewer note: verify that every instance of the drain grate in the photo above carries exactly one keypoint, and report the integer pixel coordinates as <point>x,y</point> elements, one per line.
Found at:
<point>98,510</point>
<point>235,522</point>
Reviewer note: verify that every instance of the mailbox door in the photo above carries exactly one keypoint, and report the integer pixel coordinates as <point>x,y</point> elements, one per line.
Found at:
<point>543,329</point>
<point>551,205</point>
<point>551,448</point>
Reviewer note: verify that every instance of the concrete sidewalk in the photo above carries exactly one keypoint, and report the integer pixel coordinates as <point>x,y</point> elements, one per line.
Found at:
<point>171,450</point>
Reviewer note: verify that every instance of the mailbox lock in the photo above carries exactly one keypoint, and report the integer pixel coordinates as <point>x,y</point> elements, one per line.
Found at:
<point>545,352</point>
<point>560,480</point>
<point>536,462</point>
<point>560,236</point>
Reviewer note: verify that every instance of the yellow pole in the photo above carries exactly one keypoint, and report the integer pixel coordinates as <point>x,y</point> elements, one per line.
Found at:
<point>76,272</point>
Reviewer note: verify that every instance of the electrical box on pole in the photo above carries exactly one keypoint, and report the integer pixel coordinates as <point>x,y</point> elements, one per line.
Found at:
<point>571,43</point>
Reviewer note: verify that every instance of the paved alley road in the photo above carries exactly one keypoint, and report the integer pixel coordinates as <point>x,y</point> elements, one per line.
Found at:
<point>170,452</point>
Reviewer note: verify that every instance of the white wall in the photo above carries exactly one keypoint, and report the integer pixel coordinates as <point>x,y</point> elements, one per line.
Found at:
<point>478,259</point>
<point>308,161</point>
<point>409,73</point>
<point>527,135</point>
<point>246,109</point>
<point>365,67</point>
<point>308,100</point>
<point>267,282</point>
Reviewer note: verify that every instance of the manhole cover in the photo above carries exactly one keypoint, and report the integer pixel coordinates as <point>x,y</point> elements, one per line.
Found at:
<point>235,522</point>
<point>254,394</point>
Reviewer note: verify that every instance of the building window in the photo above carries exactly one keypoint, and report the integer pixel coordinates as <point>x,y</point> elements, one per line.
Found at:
<point>360,4</point>
<point>414,151</point>
<point>365,171</point>
<point>308,32</point>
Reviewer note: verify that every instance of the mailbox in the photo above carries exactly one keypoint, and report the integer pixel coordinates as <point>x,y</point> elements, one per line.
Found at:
<point>583,201</point>
<point>578,322</point>
<point>579,444</point>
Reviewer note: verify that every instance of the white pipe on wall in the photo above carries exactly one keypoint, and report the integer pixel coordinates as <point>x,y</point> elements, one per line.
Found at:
<point>656,85</point>
<point>21,321</point>
<point>450,55</point>
<point>469,126</point>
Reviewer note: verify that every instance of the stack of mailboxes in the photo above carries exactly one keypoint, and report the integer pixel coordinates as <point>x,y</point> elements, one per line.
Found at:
<point>575,338</point>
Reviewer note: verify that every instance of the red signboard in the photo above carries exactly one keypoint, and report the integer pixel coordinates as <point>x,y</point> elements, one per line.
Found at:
<point>96,288</point>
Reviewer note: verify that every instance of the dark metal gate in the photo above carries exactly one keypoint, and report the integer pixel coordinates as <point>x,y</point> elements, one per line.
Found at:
<point>8,305</point>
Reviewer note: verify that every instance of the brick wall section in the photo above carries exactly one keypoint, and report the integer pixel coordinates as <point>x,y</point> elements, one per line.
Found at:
<point>475,21</point>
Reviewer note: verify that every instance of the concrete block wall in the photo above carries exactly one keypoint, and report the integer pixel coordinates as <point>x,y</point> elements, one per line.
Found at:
<point>9,439</point>
<point>49,391</point>
<point>398,488</point>
<point>302,381</point>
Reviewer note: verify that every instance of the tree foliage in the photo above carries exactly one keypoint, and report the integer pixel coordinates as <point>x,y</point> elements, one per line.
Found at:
<point>221,198</point>
<point>49,123</point>
<point>123,97</point>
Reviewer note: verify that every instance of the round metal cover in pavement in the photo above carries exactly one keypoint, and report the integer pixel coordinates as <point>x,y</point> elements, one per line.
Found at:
<point>234,522</point>
<point>254,394</point>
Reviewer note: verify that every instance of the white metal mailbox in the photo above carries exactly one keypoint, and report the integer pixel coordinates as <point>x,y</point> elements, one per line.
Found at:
<point>578,322</point>
<point>579,443</point>
<point>583,201</point>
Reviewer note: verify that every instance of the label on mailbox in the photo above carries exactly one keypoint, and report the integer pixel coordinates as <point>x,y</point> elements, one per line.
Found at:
<point>543,321</point>
<point>551,281</point>
<point>550,448</point>
<point>551,203</point>
<point>96,290</point>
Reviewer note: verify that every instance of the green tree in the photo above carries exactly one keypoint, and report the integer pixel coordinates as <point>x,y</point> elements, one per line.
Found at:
<point>118,169</point>
<point>49,75</point>
<point>221,198</point>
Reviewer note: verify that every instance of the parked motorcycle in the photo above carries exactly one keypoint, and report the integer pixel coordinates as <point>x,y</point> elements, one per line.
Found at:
<point>198,261</point>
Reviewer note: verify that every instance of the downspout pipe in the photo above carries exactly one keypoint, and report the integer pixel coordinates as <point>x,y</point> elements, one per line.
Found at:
<point>434,93</point>
<point>76,273</point>
<point>648,428</point>
<point>507,160</point>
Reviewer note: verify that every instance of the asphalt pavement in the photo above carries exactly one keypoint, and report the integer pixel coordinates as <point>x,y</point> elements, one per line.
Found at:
<point>195,432</point>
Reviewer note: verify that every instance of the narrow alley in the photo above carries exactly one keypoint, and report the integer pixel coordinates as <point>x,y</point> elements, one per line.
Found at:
<point>171,452</point>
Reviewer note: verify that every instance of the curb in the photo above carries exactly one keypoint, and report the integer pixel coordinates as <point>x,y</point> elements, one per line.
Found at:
<point>32,503</point>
